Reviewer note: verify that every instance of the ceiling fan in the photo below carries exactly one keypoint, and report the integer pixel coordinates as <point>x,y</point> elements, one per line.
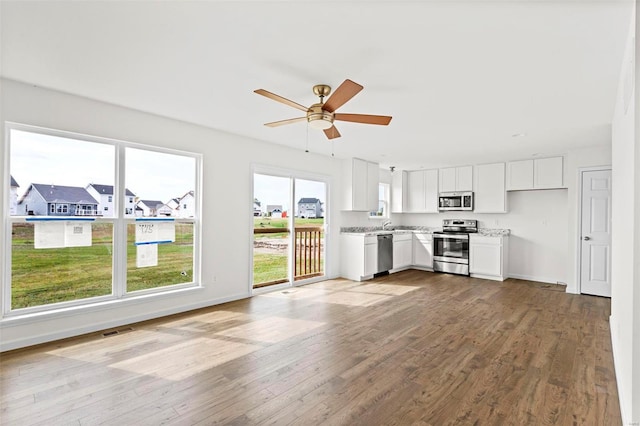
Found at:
<point>321,115</point>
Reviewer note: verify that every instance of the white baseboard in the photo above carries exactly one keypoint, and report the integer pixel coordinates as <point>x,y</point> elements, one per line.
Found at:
<point>487,277</point>
<point>613,326</point>
<point>533,278</point>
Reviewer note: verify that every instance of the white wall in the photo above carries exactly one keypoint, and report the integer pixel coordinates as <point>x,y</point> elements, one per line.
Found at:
<point>538,224</point>
<point>625,251</point>
<point>226,237</point>
<point>543,223</point>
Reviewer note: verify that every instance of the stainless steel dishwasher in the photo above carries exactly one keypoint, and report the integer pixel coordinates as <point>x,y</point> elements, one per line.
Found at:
<point>385,252</point>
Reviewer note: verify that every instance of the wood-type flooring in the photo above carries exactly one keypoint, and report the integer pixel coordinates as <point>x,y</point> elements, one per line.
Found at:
<point>410,348</point>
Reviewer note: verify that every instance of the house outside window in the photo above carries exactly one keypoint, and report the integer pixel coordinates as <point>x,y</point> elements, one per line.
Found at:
<point>36,241</point>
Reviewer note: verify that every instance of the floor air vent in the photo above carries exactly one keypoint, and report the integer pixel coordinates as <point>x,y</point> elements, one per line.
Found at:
<point>114,332</point>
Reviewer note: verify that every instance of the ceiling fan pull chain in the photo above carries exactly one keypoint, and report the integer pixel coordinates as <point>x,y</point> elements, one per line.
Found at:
<point>307,148</point>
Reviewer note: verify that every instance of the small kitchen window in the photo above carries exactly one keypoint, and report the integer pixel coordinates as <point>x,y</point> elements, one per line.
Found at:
<point>384,196</point>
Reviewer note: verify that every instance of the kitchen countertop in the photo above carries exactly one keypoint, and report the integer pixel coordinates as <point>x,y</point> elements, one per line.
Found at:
<point>375,230</point>
<point>493,232</point>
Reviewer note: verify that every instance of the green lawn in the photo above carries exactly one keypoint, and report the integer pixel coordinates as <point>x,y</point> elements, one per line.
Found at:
<point>45,276</point>
<point>273,266</point>
<point>269,267</point>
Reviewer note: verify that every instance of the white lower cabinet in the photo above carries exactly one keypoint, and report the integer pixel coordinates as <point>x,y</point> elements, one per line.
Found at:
<point>488,257</point>
<point>370,255</point>
<point>423,250</point>
<point>359,256</point>
<point>402,250</point>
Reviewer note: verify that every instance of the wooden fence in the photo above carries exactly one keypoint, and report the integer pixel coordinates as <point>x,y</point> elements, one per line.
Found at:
<point>308,252</point>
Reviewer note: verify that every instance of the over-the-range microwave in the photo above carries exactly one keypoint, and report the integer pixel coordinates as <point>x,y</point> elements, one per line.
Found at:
<point>452,201</point>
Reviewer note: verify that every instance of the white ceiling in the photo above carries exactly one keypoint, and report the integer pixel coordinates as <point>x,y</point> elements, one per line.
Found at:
<point>458,77</point>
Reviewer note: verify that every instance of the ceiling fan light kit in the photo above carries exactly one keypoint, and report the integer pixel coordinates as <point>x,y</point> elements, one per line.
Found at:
<point>319,118</point>
<point>321,115</point>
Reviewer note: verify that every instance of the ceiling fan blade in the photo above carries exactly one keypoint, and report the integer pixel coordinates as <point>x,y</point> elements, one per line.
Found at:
<point>382,120</point>
<point>281,99</point>
<point>332,132</point>
<point>283,122</point>
<point>347,90</point>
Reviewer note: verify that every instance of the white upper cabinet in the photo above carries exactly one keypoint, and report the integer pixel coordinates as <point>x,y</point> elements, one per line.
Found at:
<point>361,191</point>
<point>415,191</point>
<point>399,191</point>
<point>464,178</point>
<point>456,179</point>
<point>547,173</point>
<point>373,183</point>
<point>431,191</point>
<point>422,191</point>
<point>519,175</point>
<point>540,173</point>
<point>448,179</point>
<point>489,188</point>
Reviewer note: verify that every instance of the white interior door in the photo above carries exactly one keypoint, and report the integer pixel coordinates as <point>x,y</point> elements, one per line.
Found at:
<point>595,268</point>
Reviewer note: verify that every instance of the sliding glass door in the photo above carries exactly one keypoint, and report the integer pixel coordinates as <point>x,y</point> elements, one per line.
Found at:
<point>271,229</point>
<point>289,220</point>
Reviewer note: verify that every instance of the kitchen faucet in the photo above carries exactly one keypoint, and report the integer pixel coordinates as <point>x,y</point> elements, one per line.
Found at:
<point>385,224</point>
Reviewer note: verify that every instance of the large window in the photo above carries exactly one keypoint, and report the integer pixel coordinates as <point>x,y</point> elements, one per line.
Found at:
<point>68,247</point>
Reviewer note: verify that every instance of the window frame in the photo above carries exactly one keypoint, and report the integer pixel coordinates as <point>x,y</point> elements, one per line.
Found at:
<point>119,221</point>
<point>386,202</point>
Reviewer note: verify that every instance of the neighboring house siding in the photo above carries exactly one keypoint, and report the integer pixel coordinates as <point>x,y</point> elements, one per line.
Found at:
<point>187,206</point>
<point>13,197</point>
<point>32,203</point>
<point>309,207</point>
<point>57,200</point>
<point>165,210</point>
<point>150,207</point>
<point>13,203</point>
<point>106,205</point>
<point>274,210</point>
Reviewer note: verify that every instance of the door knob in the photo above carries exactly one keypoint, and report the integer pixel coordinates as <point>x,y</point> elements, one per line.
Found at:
<point>587,238</point>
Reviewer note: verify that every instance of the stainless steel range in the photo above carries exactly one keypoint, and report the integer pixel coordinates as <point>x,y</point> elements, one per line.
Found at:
<point>451,246</point>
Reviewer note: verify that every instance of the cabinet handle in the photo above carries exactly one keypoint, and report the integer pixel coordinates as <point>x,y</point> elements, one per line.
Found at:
<point>587,238</point>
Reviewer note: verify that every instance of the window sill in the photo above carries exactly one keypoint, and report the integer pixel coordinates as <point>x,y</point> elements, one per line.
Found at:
<point>17,319</point>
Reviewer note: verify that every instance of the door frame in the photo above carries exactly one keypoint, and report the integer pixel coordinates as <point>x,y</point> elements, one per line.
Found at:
<point>292,174</point>
<point>578,241</point>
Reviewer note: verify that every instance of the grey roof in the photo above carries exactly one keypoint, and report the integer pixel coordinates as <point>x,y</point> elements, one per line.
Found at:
<point>64,194</point>
<point>108,189</point>
<point>308,200</point>
<point>152,204</point>
<point>14,184</point>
